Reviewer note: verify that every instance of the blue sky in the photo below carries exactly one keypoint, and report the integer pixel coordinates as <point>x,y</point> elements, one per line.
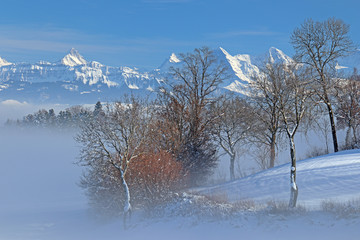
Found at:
<point>144,33</point>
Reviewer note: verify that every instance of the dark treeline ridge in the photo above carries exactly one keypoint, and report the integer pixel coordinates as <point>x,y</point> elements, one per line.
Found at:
<point>71,117</point>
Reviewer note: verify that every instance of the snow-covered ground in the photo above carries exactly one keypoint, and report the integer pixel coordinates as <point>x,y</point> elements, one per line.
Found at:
<point>334,177</point>
<point>40,198</point>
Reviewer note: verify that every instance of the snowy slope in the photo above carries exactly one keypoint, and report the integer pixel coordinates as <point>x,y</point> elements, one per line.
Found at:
<point>333,177</point>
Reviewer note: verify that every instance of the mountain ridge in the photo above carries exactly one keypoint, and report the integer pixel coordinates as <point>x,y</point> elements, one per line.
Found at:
<point>75,80</point>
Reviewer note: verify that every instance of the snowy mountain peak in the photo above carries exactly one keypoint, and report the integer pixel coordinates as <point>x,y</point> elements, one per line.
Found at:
<point>350,62</point>
<point>169,62</point>
<point>276,55</point>
<point>73,58</point>
<point>174,59</point>
<point>238,57</point>
<point>3,62</point>
<point>224,51</point>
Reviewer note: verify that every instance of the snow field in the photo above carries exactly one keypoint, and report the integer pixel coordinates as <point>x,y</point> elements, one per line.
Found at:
<point>334,177</point>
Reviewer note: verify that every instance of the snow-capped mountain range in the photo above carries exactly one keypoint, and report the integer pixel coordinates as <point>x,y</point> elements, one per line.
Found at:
<point>74,80</point>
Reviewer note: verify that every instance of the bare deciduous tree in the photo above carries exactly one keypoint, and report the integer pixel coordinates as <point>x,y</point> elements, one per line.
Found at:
<point>319,45</point>
<point>110,142</point>
<point>264,95</point>
<point>348,109</point>
<point>294,104</point>
<point>233,126</point>
<point>187,105</point>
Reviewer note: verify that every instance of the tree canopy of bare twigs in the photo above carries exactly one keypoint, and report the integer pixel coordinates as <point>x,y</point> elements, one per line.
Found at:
<point>187,109</point>
<point>294,105</point>
<point>265,99</point>
<point>109,143</point>
<point>348,108</point>
<point>233,126</point>
<point>283,97</point>
<point>319,45</point>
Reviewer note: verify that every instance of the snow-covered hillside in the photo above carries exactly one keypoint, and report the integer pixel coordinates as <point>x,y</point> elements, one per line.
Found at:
<point>334,177</point>
<point>40,198</point>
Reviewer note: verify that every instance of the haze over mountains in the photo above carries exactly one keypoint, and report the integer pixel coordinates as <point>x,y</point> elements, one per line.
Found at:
<point>74,80</point>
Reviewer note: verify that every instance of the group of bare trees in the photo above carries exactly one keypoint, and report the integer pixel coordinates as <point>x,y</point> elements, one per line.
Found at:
<point>287,94</point>
<point>348,108</point>
<point>284,96</point>
<point>141,152</point>
<point>319,45</point>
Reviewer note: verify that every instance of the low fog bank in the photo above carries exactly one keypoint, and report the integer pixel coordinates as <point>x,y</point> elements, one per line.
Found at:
<point>38,182</point>
<point>38,171</point>
<point>13,110</point>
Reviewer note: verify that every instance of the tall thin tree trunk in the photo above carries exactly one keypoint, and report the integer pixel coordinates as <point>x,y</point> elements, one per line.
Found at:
<point>232,167</point>
<point>333,128</point>
<point>355,140</point>
<point>272,151</point>
<point>294,189</point>
<point>348,138</point>
<point>127,205</point>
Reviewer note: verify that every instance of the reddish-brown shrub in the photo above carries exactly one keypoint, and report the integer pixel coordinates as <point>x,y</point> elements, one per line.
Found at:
<point>153,177</point>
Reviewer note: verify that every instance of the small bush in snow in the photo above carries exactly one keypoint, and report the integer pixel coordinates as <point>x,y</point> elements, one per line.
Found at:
<point>274,207</point>
<point>315,152</point>
<point>348,209</point>
<point>204,208</point>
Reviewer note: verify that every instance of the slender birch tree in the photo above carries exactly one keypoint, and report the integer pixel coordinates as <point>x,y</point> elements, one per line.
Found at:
<point>294,104</point>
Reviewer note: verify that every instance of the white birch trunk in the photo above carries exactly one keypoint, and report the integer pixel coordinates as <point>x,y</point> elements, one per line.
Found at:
<point>293,187</point>
<point>127,204</point>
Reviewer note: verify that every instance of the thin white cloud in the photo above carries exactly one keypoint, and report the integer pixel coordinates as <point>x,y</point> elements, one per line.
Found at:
<point>54,40</point>
<point>13,103</point>
<point>241,33</point>
<point>31,44</point>
<point>61,40</point>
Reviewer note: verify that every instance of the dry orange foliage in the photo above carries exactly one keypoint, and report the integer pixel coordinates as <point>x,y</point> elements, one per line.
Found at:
<point>153,177</point>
